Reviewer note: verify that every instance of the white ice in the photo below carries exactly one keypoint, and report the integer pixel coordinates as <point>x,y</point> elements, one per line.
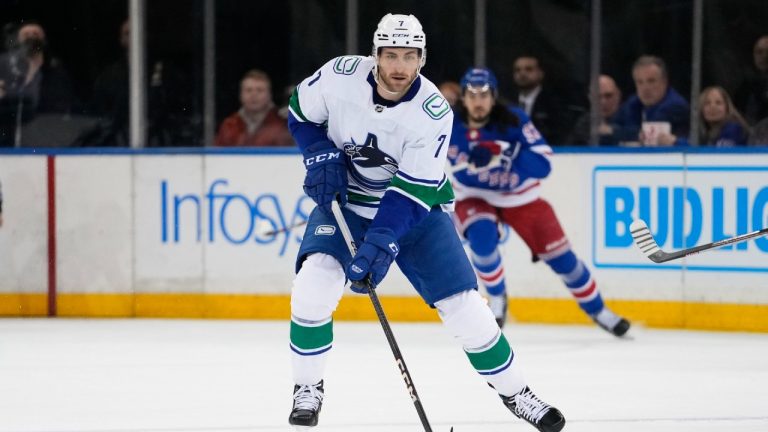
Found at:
<point>66,375</point>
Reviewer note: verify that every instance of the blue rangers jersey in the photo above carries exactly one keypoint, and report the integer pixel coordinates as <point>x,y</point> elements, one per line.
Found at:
<point>395,151</point>
<point>523,159</point>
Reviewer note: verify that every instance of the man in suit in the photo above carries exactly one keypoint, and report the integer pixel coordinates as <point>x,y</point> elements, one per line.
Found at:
<point>752,96</point>
<point>552,114</point>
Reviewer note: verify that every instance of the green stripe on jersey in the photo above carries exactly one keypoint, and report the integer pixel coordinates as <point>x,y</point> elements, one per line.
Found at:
<point>294,104</point>
<point>429,196</point>
<point>310,338</point>
<point>362,198</point>
<point>492,358</point>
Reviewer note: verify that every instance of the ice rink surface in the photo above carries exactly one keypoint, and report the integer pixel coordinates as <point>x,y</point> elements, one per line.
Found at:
<point>66,375</point>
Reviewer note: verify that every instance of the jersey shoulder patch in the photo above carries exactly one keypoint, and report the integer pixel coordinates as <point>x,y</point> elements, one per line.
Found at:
<point>531,133</point>
<point>346,65</point>
<point>436,106</point>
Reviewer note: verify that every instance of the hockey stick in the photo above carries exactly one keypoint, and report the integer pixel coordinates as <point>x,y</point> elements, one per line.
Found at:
<point>347,234</point>
<point>272,232</point>
<point>645,241</point>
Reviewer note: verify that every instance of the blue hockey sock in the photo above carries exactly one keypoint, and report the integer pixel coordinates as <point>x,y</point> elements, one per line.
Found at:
<point>579,281</point>
<point>483,240</point>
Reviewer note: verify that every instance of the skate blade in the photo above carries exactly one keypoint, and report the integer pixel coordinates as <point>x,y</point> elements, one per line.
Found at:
<point>626,337</point>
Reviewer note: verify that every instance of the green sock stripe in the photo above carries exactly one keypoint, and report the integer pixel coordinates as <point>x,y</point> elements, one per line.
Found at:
<point>311,338</point>
<point>492,358</point>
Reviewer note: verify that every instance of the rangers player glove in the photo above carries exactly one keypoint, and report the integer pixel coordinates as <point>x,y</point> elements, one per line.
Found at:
<point>326,175</point>
<point>481,154</point>
<point>374,256</point>
<point>486,153</point>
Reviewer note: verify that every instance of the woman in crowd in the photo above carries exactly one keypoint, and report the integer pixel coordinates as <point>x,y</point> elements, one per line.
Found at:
<point>720,123</point>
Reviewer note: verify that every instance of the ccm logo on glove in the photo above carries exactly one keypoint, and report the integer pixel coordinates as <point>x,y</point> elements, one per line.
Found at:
<point>324,157</point>
<point>326,176</point>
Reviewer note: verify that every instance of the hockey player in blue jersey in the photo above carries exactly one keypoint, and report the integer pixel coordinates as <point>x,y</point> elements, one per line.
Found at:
<point>375,133</point>
<point>499,159</point>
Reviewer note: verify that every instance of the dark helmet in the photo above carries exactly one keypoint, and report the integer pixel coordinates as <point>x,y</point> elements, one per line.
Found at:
<point>479,80</point>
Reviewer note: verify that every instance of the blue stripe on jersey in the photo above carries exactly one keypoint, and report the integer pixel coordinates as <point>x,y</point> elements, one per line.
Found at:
<point>360,191</point>
<point>418,180</point>
<point>371,185</point>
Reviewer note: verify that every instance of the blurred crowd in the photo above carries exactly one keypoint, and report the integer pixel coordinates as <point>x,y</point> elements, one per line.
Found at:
<point>38,106</point>
<point>655,115</point>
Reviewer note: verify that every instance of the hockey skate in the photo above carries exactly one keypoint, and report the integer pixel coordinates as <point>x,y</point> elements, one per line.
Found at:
<point>527,406</point>
<point>611,322</point>
<point>307,401</point>
<point>498,305</point>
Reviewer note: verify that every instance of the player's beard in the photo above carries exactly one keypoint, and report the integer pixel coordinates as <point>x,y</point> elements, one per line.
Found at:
<point>396,86</point>
<point>479,116</point>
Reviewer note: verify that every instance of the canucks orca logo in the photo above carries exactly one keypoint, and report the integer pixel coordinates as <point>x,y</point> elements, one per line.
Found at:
<point>368,154</point>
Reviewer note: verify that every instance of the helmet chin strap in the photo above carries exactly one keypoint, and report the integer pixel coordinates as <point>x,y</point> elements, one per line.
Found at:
<point>383,87</point>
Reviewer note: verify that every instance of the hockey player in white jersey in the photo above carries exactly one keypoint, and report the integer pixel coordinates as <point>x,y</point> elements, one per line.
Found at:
<point>374,134</point>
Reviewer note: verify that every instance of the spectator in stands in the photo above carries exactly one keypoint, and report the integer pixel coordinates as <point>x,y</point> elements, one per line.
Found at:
<point>654,103</point>
<point>32,82</point>
<point>552,114</point>
<point>759,135</point>
<point>451,92</point>
<point>167,103</point>
<point>110,99</point>
<point>752,95</point>
<point>8,35</point>
<point>257,122</point>
<point>720,123</point>
<point>608,104</point>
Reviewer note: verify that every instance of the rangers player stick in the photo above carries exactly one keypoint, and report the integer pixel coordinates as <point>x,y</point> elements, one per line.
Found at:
<point>347,234</point>
<point>644,240</point>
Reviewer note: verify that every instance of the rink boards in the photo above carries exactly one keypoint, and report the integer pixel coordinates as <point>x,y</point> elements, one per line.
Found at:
<point>181,234</point>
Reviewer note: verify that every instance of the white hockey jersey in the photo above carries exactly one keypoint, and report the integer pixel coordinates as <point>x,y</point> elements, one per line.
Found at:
<point>399,146</point>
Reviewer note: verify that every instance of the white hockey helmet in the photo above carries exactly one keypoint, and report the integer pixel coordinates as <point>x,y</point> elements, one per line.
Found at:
<point>400,31</point>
